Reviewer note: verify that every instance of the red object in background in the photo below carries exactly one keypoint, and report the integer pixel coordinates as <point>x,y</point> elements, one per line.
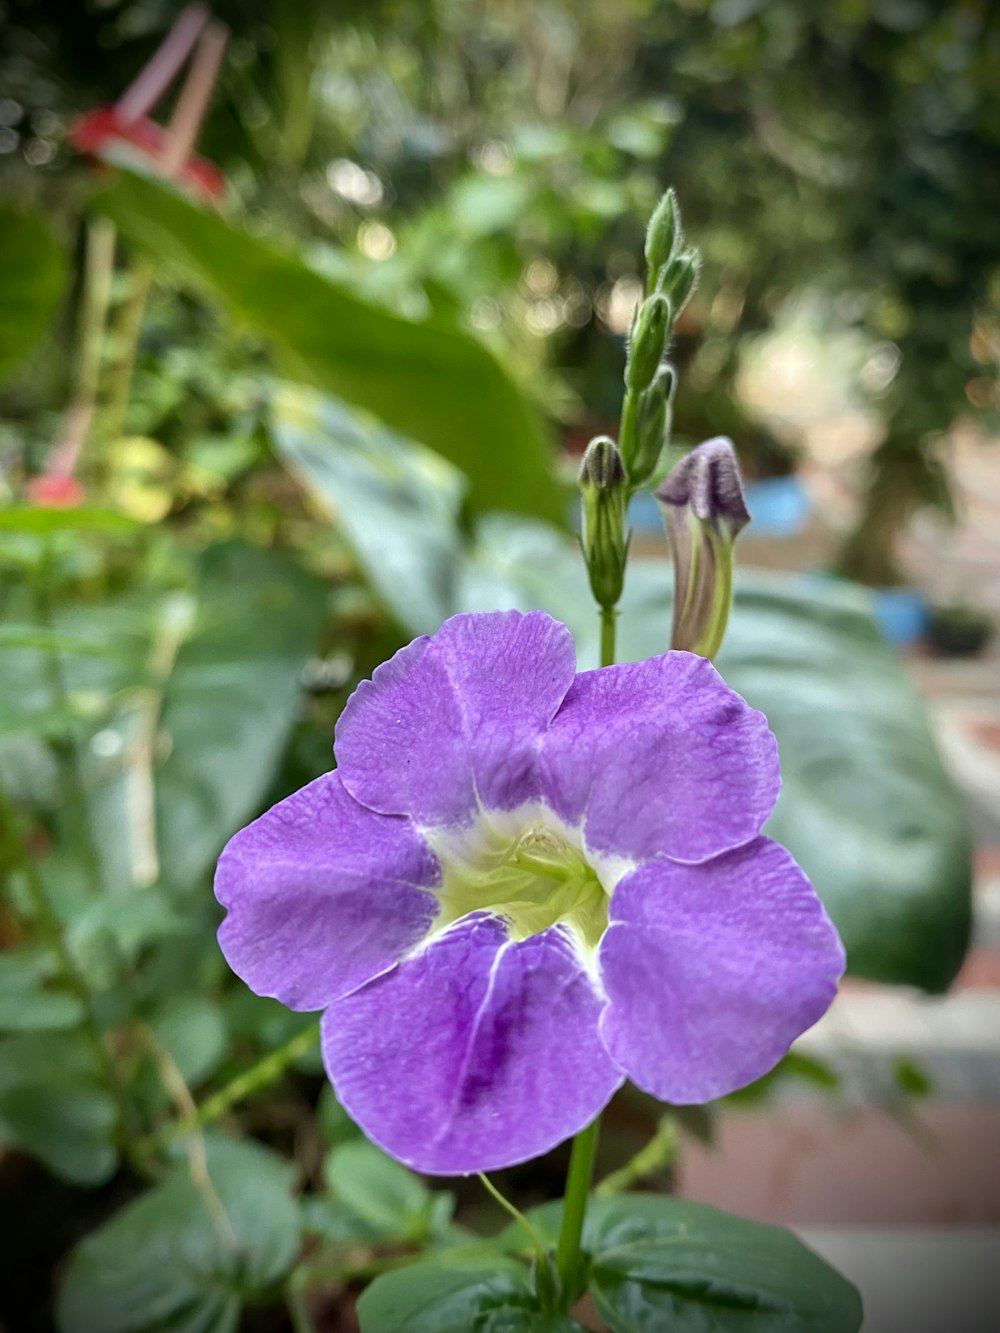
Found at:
<point>98,132</point>
<point>52,491</point>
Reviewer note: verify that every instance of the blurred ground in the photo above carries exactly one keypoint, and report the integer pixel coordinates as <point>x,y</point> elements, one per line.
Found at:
<point>904,1194</point>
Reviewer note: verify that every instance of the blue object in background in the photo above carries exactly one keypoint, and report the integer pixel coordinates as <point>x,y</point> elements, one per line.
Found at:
<point>779,507</point>
<point>902,614</point>
<point>645,514</point>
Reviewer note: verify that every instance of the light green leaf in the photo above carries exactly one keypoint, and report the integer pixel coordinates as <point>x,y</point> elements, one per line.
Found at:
<point>32,278</point>
<point>396,502</point>
<point>183,1258</point>
<point>384,1193</point>
<point>428,380</point>
<point>45,522</point>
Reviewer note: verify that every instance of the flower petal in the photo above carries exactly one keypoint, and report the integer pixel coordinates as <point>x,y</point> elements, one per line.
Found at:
<point>322,895</point>
<point>453,722</point>
<point>475,1054</point>
<point>712,970</point>
<point>660,756</point>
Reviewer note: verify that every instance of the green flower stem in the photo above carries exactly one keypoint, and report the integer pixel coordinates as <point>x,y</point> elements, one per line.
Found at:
<point>75,981</point>
<point>127,327</point>
<point>658,1154</point>
<point>581,1168</point>
<point>609,617</point>
<point>515,1213</point>
<point>258,1076</point>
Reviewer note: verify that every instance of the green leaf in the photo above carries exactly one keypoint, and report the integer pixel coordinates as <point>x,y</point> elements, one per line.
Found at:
<point>661,1263</point>
<point>428,380</point>
<point>230,701</point>
<point>384,1193</point>
<point>32,277</point>
<point>53,1106</point>
<point>454,1298</point>
<point>183,1258</point>
<point>396,502</point>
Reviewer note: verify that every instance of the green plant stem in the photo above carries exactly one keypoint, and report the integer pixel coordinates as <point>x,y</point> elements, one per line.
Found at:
<point>581,1168</point>
<point>73,978</point>
<point>515,1213</point>
<point>258,1076</point>
<point>609,618</point>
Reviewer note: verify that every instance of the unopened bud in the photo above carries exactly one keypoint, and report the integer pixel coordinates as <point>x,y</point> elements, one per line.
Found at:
<point>704,509</point>
<point>648,340</point>
<point>647,440</point>
<point>605,545</point>
<point>679,279</point>
<point>662,235</point>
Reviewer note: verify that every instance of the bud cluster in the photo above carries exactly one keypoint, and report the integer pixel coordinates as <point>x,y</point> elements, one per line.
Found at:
<point>649,383</point>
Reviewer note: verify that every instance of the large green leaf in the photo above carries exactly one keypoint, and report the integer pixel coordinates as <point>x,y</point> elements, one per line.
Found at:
<point>32,277</point>
<point>866,807</point>
<point>661,1263</point>
<point>454,1298</point>
<point>428,380</point>
<point>184,1257</point>
<point>385,1195</point>
<point>665,1263</point>
<point>396,502</point>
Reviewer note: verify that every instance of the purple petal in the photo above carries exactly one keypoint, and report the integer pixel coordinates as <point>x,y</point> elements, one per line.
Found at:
<point>712,970</point>
<point>322,895</point>
<point>453,721</point>
<point>660,756</point>
<point>475,1054</point>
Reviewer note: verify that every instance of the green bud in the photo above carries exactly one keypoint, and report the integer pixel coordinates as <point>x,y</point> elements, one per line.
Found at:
<point>662,235</point>
<point>679,279</point>
<point>647,439</point>
<point>704,510</point>
<point>649,338</point>
<point>605,545</point>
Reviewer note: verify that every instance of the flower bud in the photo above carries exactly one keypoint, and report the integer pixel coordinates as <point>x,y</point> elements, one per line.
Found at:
<point>704,509</point>
<point>679,279</point>
<point>605,546</point>
<point>647,440</point>
<point>647,342</point>
<point>662,235</point>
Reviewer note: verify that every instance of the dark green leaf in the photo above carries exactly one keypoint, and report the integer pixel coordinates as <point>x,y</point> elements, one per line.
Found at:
<point>32,277</point>
<point>660,1263</point>
<point>428,380</point>
<point>53,1106</point>
<point>184,1257</point>
<point>454,1298</point>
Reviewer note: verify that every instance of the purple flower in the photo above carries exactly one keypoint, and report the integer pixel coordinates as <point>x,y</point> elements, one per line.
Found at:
<point>522,886</point>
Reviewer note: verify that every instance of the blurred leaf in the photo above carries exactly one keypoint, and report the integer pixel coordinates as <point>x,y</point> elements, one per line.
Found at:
<point>230,700</point>
<point>439,1298</point>
<point>428,380</point>
<point>52,1105</point>
<point>191,1030</point>
<point>384,1193</point>
<point>179,1260</point>
<point>911,1079</point>
<point>396,502</point>
<point>42,522</point>
<point>32,278</point>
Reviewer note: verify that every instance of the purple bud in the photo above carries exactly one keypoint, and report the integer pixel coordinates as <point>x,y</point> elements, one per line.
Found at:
<point>704,509</point>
